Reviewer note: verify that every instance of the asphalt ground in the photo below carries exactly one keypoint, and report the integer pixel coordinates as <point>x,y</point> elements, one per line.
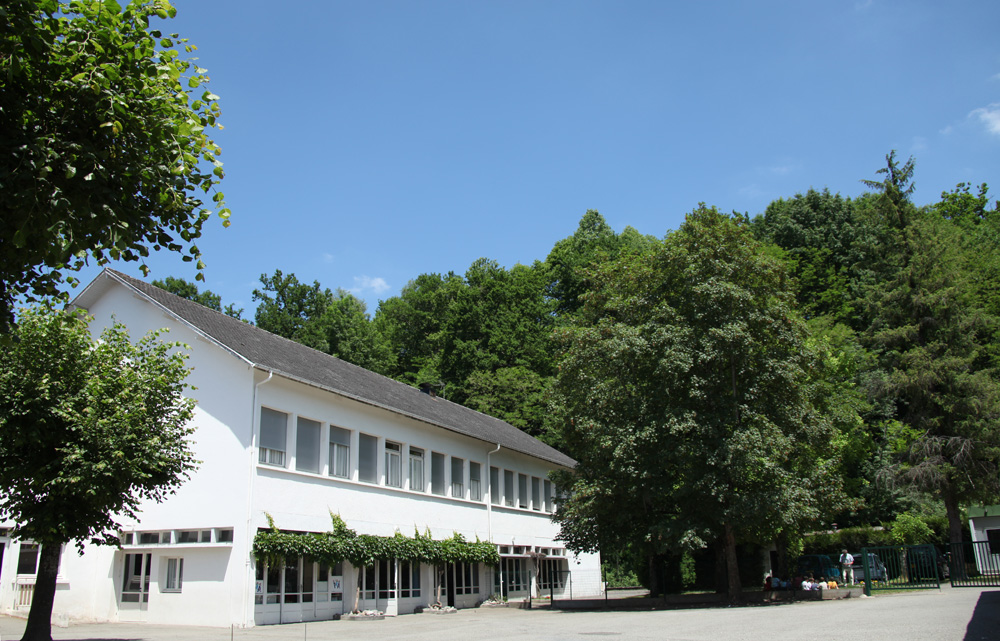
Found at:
<point>947,614</point>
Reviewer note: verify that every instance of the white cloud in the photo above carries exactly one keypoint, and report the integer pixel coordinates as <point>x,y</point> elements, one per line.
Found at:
<point>989,116</point>
<point>327,258</point>
<point>367,283</point>
<point>919,143</point>
<point>863,5</point>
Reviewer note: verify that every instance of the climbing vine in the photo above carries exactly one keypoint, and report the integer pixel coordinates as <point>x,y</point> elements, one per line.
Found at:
<point>344,544</point>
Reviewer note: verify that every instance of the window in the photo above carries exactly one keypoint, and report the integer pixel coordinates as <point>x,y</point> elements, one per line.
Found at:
<point>367,458</point>
<point>514,574</point>
<point>149,538</point>
<point>993,538</point>
<point>273,426</point>
<point>206,536</point>
<point>457,478</point>
<point>188,536</point>
<point>437,473</point>
<point>547,485</point>
<point>508,488</point>
<point>307,446</point>
<point>393,465</point>
<point>552,574</point>
<point>475,482</point>
<point>522,490</point>
<point>386,579</point>
<point>292,587</point>
<point>340,452</point>
<point>466,578</point>
<point>417,470</point>
<point>27,559</point>
<point>175,575</point>
<point>409,579</point>
<point>494,485</point>
<point>224,535</point>
<point>536,493</point>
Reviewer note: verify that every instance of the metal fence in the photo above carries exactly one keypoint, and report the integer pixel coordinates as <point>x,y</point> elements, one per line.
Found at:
<point>973,564</point>
<point>901,567</point>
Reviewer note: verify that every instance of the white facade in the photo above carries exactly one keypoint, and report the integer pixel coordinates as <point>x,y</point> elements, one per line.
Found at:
<point>984,524</point>
<point>188,560</point>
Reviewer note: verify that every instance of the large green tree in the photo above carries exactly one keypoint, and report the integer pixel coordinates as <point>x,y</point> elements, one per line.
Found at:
<point>88,431</point>
<point>685,390</point>
<point>932,336</point>
<point>105,150</point>
<point>336,323</point>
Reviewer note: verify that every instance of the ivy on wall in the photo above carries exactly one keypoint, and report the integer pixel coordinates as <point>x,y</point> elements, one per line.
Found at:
<point>344,544</point>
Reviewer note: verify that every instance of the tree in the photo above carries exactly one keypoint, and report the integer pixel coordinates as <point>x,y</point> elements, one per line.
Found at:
<point>333,323</point>
<point>593,242</point>
<point>105,145</point>
<point>931,335</point>
<point>286,306</point>
<point>684,387</point>
<point>208,298</point>
<point>88,431</point>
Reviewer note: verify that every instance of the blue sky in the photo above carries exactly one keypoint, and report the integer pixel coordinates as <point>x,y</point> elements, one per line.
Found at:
<point>368,142</point>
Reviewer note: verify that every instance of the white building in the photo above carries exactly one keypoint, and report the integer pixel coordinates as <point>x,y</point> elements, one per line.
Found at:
<point>286,431</point>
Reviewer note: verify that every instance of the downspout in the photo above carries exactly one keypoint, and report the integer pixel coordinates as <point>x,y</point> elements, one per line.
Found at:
<point>254,429</point>
<point>489,507</point>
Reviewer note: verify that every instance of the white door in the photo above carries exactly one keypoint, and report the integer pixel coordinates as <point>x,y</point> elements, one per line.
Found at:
<point>135,586</point>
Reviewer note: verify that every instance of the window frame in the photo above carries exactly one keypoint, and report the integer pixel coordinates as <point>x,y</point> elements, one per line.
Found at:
<point>315,439</point>
<point>417,482</point>
<point>174,577</point>
<point>393,463</point>
<point>266,454</point>
<point>339,452</point>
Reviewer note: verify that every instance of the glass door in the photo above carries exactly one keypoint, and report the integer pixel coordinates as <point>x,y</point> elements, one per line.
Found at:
<point>135,585</point>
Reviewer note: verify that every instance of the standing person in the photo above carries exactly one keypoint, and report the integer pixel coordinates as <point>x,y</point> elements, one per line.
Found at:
<point>847,567</point>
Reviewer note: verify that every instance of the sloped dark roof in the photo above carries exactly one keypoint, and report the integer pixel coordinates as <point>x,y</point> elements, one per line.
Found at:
<point>298,362</point>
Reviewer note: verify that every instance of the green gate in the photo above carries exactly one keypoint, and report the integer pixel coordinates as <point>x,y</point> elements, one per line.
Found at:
<point>900,567</point>
<point>974,564</point>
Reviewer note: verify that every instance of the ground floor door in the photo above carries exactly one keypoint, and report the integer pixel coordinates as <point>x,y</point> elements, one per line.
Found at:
<point>296,590</point>
<point>134,600</point>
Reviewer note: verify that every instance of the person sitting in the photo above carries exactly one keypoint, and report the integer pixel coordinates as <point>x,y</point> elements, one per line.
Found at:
<point>832,585</point>
<point>776,583</point>
<point>807,583</point>
<point>821,584</point>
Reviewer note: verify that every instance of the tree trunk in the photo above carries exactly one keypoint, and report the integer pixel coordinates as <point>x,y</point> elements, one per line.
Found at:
<point>655,574</point>
<point>39,626</point>
<point>781,543</point>
<point>954,517</point>
<point>721,575</point>
<point>732,566</point>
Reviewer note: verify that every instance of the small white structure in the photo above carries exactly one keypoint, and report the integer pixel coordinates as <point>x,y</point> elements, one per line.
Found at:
<point>286,431</point>
<point>984,524</point>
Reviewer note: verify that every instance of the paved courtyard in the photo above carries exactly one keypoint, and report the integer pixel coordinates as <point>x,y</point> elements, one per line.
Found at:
<point>948,614</point>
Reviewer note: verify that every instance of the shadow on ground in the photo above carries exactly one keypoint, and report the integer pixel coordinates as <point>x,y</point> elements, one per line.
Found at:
<point>985,622</point>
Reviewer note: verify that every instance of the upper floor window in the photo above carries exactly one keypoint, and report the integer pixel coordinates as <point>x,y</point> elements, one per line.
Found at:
<point>367,458</point>
<point>307,445</point>
<point>547,485</point>
<point>393,465</point>
<point>508,488</point>
<point>494,485</point>
<point>457,478</point>
<point>340,452</point>
<point>437,473</point>
<point>417,470</point>
<point>536,493</point>
<point>273,428</point>
<point>475,481</point>
<point>522,490</point>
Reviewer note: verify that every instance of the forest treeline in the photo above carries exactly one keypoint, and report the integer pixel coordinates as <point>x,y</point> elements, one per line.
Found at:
<point>830,360</point>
